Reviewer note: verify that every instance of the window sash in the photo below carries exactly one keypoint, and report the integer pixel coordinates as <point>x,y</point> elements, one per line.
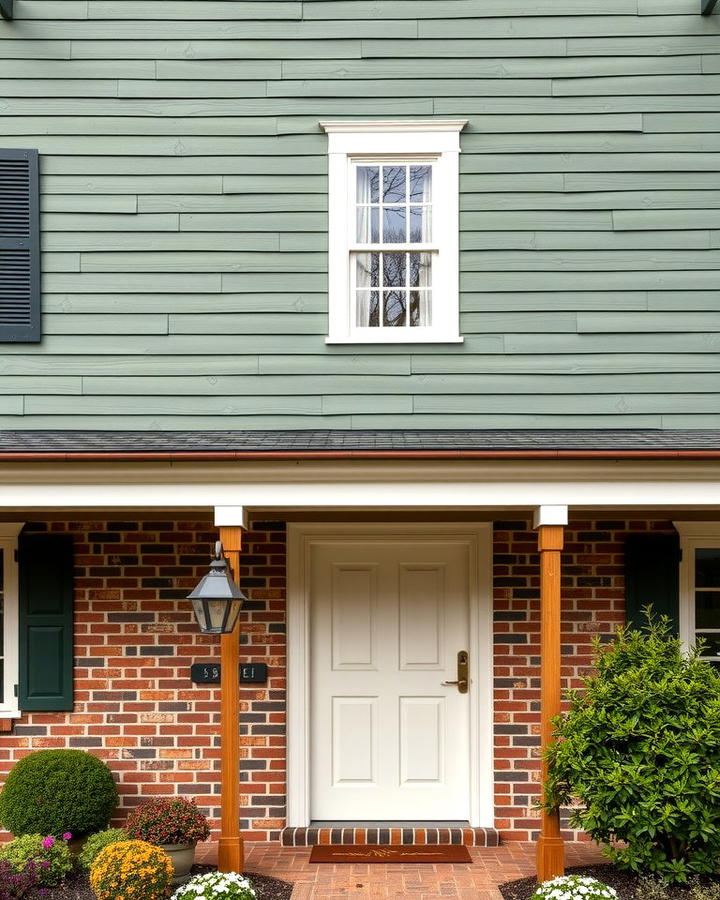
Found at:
<point>413,300</point>
<point>409,143</point>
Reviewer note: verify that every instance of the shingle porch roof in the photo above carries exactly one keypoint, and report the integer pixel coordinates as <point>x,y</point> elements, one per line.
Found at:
<point>187,443</point>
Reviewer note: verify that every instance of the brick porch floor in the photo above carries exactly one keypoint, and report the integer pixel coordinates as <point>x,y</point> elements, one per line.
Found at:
<point>479,881</point>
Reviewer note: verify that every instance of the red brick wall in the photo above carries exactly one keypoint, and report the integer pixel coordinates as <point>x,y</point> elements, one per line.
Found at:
<point>135,639</point>
<point>593,604</point>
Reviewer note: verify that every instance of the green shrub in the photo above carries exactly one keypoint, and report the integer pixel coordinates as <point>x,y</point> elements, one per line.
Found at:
<point>54,791</point>
<point>640,750</point>
<point>51,858</point>
<point>97,842</point>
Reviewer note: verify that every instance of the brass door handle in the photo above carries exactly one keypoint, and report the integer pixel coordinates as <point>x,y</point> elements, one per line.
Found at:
<point>462,682</point>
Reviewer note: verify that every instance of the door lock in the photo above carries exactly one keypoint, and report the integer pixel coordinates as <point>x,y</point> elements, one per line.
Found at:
<point>462,682</point>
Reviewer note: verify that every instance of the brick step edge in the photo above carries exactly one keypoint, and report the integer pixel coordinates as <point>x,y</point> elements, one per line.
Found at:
<point>309,837</point>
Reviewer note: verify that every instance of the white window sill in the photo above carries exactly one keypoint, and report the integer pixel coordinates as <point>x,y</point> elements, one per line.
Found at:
<point>393,337</point>
<point>10,714</point>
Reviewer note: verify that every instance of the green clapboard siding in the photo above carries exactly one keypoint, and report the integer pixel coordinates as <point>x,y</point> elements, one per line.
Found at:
<point>184,212</point>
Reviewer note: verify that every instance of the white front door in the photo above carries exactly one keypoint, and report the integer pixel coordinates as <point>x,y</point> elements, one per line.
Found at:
<point>388,739</point>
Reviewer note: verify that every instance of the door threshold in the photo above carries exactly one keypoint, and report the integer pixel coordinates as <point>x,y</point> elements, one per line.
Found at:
<point>397,833</point>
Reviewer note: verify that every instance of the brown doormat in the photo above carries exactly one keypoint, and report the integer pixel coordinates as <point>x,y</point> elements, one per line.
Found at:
<point>390,853</point>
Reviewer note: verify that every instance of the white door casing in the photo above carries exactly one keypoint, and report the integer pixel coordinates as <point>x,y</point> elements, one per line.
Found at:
<point>376,617</point>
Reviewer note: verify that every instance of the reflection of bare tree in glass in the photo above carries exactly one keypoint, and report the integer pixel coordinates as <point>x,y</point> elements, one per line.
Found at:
<point>394,184</point>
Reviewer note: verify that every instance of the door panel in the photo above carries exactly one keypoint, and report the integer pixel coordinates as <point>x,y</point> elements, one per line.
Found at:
<point>388,739</point>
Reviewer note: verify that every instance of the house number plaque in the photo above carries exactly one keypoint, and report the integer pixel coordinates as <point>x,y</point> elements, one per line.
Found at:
<point>209,673</point>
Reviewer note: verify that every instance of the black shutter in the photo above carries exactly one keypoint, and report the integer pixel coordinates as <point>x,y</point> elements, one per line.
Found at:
<point>45,563</point>
<point>652,577</point>
<point>19,246</point>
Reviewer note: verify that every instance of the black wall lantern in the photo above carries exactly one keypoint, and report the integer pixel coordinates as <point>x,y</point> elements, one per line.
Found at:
<point>217,600</point>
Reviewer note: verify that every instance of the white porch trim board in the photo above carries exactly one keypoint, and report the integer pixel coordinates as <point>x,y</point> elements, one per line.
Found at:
<point>313,485</point>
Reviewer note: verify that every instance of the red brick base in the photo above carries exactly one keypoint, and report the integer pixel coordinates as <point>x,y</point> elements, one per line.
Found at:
<point>135,639</point>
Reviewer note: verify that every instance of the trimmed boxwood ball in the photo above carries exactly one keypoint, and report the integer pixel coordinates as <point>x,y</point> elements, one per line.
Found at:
<point>56,791</point>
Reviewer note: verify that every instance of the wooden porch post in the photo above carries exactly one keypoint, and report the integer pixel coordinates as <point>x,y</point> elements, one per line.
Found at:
<point>230,849</point>
<point>549,522</point>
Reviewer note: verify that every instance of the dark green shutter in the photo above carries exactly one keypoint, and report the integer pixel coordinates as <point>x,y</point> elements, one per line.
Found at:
<point>652,577</point>
<point>19,246</point>
<point>45,564</point>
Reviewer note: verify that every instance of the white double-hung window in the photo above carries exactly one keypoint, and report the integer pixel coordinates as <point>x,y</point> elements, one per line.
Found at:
<point>393,231</point>
<point>700,586</point>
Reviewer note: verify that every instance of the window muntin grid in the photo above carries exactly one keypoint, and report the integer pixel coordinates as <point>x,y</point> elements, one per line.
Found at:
<point>393,210</point>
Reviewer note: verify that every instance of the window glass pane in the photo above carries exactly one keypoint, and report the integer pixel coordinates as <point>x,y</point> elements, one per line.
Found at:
<point>707,567</point>
<point>394,225</point>
<point>368,270</point>
<point>368,225</point>
<point>395,304</point>
<point>394,184</point>
<point>394,271</point>
<point>420,269</point>
<point>368,183</point>
<point>707,609</point>
<point>420,224</point>
<point>420,308</point>
<point>421,184</point>
<point>712,644</point>
<point>368,309</point>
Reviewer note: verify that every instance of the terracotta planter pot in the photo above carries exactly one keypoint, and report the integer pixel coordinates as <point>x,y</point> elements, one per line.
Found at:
<point>183,857</point>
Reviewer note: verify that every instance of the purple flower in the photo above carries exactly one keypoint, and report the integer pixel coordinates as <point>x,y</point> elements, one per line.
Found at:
<point>67,836</point>
<point>48,842</point>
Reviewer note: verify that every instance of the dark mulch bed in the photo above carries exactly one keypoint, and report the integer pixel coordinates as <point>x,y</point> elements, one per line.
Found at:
<point>78,887</point>
<point>625,883</point>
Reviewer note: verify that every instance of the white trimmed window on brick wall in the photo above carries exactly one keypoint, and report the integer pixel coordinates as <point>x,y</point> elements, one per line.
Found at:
<point>9,606</point>
<point>700,585</point>
<point>393,231</point>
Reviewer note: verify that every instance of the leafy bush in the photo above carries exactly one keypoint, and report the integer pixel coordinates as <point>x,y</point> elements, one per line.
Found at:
<point>54,791</point>
<point>163,821</point>
<point>50,859</point>
<point>131,870</point>
<point>16,885</point>
<point>97,842</point>
<point>640,750</point>
<point>216,886</point>
<point>574,887</point>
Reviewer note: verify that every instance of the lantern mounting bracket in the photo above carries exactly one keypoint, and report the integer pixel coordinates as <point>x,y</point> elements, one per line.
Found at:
<point>707,6</point>
<point>6,9</point>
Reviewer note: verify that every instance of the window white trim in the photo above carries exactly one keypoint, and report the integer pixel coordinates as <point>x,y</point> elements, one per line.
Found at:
<point>693,536</point>
<point>9,532</point>
<point>434,140</point>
